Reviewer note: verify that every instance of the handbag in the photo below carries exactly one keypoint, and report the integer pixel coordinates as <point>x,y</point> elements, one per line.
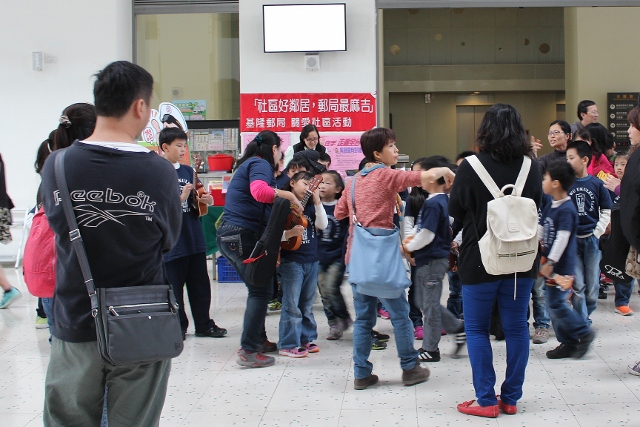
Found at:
<point>375,265</point>
<point>615,252</point>
<point>261,264</point>
<point>632,267</point>
<point>134,324</point>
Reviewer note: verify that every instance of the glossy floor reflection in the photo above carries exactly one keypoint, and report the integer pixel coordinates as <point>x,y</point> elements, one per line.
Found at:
<point>207,387</point>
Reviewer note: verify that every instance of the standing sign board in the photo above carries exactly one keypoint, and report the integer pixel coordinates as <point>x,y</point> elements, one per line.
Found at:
<point>618,106</point>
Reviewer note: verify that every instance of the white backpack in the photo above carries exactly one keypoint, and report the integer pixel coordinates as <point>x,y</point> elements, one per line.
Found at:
<point>510,244</point>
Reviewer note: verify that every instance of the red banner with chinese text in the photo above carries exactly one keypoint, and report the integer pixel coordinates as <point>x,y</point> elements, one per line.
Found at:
<point>290,112</point>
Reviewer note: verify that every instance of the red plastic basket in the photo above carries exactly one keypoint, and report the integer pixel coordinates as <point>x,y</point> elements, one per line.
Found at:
<point>218,197</point>
<point>220,162</point>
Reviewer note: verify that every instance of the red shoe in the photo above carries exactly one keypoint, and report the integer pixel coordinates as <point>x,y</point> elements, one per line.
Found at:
<point>507,409</point>
<point>479,411</point>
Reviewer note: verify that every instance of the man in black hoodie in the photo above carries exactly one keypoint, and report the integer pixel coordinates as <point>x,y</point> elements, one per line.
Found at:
<point>129,214</point>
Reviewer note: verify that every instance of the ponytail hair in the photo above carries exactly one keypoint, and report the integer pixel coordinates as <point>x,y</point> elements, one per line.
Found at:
<point>45,148</point>
<point>76,122</point>
<point>261,147</point>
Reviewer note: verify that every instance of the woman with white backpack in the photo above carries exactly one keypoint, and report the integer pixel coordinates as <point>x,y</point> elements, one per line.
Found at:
<point>496,195</point>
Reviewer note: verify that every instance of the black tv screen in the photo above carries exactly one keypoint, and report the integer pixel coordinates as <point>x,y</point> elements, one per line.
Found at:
<point>304,27</point>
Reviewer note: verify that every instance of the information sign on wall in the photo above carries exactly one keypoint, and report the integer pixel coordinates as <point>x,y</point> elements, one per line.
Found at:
<point>290,112</point>
<point>618,106</point>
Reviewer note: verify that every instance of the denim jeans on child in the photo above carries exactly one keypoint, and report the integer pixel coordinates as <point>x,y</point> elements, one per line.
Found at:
<point>236,244</point>
<point>366,308</point>
<point>47,306</point>
<point>297,324</point>
<point>415,314</point>
<point>478,300</point>
<point>623,292</point>
<point>568,324</point>
<point>587,278</point>
<point>330,278</point>
<point>428,293</point>
<point>540,313</point>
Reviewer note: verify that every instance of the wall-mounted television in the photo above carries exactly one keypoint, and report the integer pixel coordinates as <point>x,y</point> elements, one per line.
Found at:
<point>304,27</point>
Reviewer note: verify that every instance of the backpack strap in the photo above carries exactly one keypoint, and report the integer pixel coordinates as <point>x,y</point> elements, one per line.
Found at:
<point>484,176</point>
<point>522,176</point>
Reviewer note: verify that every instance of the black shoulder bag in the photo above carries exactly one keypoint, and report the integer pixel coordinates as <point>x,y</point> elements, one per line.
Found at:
<point>261,264</point>
<point>134,324</point>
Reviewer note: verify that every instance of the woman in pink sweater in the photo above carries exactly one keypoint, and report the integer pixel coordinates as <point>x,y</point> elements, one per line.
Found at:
<point>376,191</point>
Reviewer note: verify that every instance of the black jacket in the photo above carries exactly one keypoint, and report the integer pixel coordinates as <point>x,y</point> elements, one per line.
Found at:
<point>129,214</point>
<point>468,204</point>
<point>630,200</point>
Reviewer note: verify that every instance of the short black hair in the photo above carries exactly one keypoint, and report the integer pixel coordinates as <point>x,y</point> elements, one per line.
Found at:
<point>374,140</point>
<point>325,157</point>
<point>561,171</point>
<point>583,148</point>
<point>298,162</point>
<point>168,135</point>
<point>297,177</point>
<point>465,154</point>
<point>118,85</point>
<point>434,162</point>
<point>583,107</point>
<point>338,180</point>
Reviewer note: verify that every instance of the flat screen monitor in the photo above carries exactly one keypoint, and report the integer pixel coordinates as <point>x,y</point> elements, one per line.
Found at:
<point>304,27</point>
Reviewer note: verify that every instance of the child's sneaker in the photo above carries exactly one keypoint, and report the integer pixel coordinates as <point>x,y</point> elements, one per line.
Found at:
<point>428,356</point>
<point>380,337</point>
<point>295,352</point>
<point>378,345</point>
<point>311,347</point>
<point>268,347</point>
<point>254,359</point>
<point>562,351</point>
<point>275,305</point>
<point>334,333</point>
<point>624,310</point>
<point>9,297</point>
<point>634,369</point>
<point>461,341</point>
<point>540,336</point>
<point>418,332</point>
<point>602,294</point>
<point>42,323</point>
<point>384,314</point>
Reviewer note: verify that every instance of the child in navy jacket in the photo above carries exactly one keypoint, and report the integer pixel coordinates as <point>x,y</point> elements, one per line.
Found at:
<point>187,262</point>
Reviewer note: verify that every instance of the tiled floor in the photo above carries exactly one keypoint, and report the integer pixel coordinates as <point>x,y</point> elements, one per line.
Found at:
<point>208,388</point>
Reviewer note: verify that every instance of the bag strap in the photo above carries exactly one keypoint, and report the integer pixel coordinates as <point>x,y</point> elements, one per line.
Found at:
<point>353,198</point>
<point>484,176</point>
<point>74,232</point>
<point>522,176</point>
<point>490,183</point>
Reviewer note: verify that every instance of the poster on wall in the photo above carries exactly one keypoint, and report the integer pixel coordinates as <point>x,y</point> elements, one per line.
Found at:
<point>618,106</point>
<point>192,109</point>
<point>344,147</point>
<point>290,112</point>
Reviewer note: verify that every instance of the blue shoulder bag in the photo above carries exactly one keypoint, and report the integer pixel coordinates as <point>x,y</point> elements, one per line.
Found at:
<point>375,265</point>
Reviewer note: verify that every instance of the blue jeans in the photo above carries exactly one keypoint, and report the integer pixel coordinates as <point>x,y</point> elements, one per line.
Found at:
<point>477,300</point>
<point>454,302</point>
<point>47,306</point>
<point>540,314</point>
<point>623,292</point>
<point>330,278</point>
<point>366,315</point>
<point>414,311</point>
<point>587,279</point>
<point>568,324</point>
<point>297,324</point>
<point>236,244</point>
